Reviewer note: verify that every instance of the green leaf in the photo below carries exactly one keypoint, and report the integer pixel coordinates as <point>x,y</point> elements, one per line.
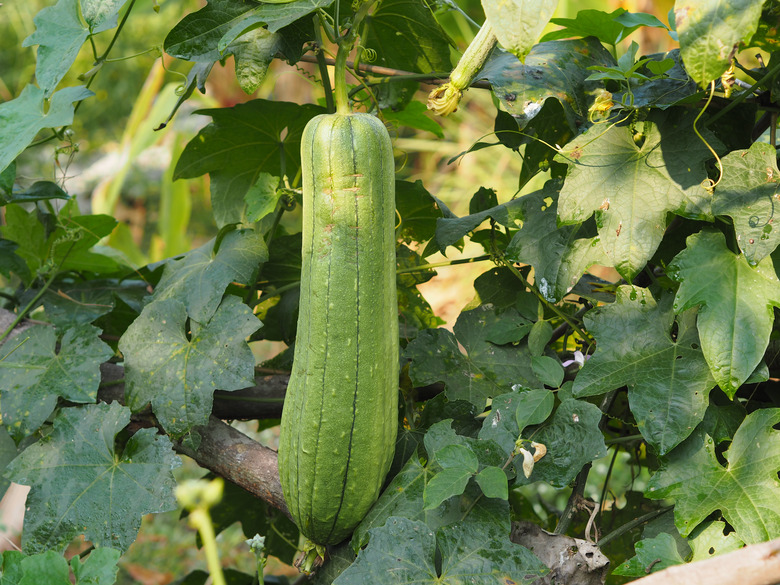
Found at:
<point>708,540</point>
<point>33,375</point>
<point>80,302</point>
<point>479,551</point>
<point>414,115</point>
<point>745,491</point>
<point>197,35</point>
<point>735,302</point>
<point>559,254</point>
<point>419,211</point>
<point>672,87</point>
<point>548,370</point>
<point>59,34</point>
<point>38,191</point>
<point>46,568</point>
<point>101,14</point>
<point>8,452</point>
<point>262,197</point>
<point>512,327</point>
<point>539,337</point>
<point>517,24</point>
<point>239,144</point>
<point>253,53</point>
<point>108,490</point>
<point>493,482</point>
<point>608,27</point>
<point>533,408</point>
<point>100,568</point>
<point>485,369</point>
<point>710,32</point>
<point>10,261</point>
<point>475,551</point>
<point>275,15</point>
<point>668,378</point>
<point>748,193</point>
<point>451,229</point>
<point>573,438</point>
<point>399,539</point>
<point>555,69</point>
<point>199,278</point>
<point>188,362</point>
<point>445,484</point>
<point>652,555</point>
<point>632,187</point>
<point>406,36</point>
<point>26,115</point>
<point>457,456</point>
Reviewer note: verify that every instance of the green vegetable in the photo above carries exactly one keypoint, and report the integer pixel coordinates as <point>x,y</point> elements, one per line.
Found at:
<point>340,414</point>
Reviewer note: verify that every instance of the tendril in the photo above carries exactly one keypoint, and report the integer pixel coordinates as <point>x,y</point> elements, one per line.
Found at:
<point>708,184</point>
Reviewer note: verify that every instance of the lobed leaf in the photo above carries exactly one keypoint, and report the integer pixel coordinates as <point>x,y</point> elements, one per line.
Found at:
<point>735,302</point>
<point>109,490</point>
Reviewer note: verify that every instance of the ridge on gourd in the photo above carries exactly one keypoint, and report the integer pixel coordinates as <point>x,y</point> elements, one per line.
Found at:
<point>339,420</point>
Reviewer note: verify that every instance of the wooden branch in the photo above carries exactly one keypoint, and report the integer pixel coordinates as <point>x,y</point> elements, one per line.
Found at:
<point>758,564</point>
<point>231,454</point>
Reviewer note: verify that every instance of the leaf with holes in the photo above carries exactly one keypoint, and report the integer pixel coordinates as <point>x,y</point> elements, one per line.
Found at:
<point>631,187</point>
<point>189,360</point>
<point>33,374</point>
<point>108,490</point>
<point>745,490</point>
<point>668,379</point>
<point>735,303</point>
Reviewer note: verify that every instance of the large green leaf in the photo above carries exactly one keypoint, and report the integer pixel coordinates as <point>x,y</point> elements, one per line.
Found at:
<point>668,378</point>
<point>745,490</point>
<point>748,193</point>
<point>555,69</point>
<point>176,367</point>
<point>199,278</point>
<point>405,35</point>
<point>451,229</point>
<point>631,187</point>
<point>22,118</point>
<point>510,413</point>
<point>59,34</point>
<point>517,24</point>
<point>710,32</point>
<point>485,369</point>
<point>473,551</point>
<point>736,303</point>
<point>81,483</point>
<point>608,27</point>
<point>274,15</point>
<point>239,144</point>
<point>33,374</point>
<point>559,254</point>
<point>572,437</point>
<point>196,36</point>
<point>652,555</point>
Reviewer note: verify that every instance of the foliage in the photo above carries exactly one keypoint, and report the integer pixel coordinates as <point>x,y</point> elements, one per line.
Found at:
<point>627,313</point>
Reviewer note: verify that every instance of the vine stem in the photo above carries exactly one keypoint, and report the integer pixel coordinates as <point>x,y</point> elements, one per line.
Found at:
<point>633,524</point>
<point>554,308</point>
<point>322,65</point>
<point>421,267</point>
<point>742,96</point>
<point>35,299</point>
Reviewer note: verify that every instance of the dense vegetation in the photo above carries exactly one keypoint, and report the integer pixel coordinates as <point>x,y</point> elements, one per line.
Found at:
<point>613,379</point>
